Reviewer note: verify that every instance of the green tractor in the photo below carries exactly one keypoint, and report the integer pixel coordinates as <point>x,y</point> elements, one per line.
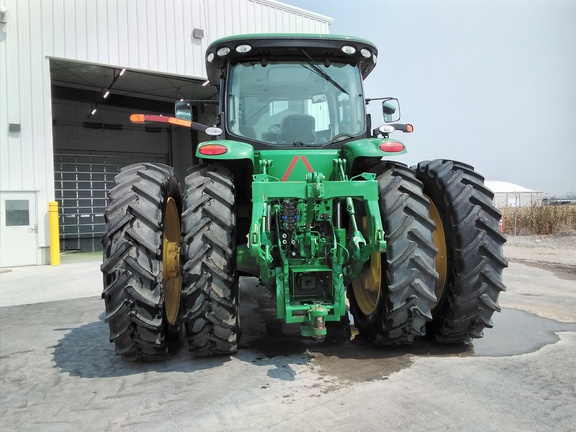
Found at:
<point>297,189</point>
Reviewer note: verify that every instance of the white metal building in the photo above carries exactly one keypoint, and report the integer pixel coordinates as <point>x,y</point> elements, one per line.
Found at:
<point>64,139</point>
<point>513,195</point>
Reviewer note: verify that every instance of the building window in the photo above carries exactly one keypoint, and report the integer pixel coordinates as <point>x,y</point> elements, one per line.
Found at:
<point>17,213</point>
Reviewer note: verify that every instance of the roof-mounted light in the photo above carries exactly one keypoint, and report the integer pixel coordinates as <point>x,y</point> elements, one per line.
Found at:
<point>224,51</point>
<point>210,57</point>
<point>365,53</point>
<point>347,49</point>
<point>243,48</point>
<point>375,58</point>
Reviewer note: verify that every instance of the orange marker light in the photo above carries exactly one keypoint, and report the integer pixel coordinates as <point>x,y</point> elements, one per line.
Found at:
<point>179,122</point>
<point>212,149</point>
<point>137,118</point>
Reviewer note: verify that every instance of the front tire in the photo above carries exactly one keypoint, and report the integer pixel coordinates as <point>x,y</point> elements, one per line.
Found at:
<point>470,261</point>
<point>141,262</point>
<point>210,294</point>
<point>391,299</point>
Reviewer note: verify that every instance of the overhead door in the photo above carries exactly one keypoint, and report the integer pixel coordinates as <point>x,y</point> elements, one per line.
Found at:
<point>82,184</point>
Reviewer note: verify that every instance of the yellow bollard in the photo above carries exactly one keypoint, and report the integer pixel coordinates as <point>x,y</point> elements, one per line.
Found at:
<point>54,233</point>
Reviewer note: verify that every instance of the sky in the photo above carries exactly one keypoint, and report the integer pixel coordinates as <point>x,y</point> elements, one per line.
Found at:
<point>491,83</point>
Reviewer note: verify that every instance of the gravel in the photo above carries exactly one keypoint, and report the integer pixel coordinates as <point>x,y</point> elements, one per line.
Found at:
<point>543,250</point>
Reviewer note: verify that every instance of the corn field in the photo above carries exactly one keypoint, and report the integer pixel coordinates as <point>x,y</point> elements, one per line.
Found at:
<point>539,219</point>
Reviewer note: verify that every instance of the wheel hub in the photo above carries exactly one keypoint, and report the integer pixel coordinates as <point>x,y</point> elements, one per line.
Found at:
<point>367,286</point>
<point>441,260</point>
<point>172,280</point>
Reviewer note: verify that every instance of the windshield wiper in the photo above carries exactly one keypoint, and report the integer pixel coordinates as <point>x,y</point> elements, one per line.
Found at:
<point>316,69</point>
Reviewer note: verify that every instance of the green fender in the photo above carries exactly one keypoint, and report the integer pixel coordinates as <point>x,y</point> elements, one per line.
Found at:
<point>367,148</point>
<point>235,150</point>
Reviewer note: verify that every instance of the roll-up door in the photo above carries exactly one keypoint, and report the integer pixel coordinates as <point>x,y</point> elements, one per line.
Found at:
<point>82,182</point>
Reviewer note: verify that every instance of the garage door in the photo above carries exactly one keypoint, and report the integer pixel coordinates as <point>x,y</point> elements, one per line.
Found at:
<point>82,185</point>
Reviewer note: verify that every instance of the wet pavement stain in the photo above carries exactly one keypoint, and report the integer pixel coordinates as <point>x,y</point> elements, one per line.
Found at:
<point>349,359</point>
<point>515,332</point>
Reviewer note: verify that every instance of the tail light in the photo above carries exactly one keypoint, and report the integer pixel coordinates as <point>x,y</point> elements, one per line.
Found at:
<point>212,149</point>
<point>391,146</point>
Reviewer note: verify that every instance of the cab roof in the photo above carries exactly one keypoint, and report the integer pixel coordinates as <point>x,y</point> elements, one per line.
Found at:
<point>265,47</point>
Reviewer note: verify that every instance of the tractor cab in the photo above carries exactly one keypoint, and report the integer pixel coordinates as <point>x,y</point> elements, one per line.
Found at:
<point>291,90</point>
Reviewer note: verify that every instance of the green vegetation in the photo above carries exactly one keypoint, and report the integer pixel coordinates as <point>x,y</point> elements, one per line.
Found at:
<point>539,219</point>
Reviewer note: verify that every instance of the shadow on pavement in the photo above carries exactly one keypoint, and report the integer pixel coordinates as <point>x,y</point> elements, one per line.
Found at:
<point>85,352</point>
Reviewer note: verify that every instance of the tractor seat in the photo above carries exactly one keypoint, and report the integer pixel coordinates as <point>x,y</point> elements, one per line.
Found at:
<point>297,128</point>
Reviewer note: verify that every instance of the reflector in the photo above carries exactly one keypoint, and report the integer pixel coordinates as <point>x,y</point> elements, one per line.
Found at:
<point>391,146</point>
<point>212,149</point>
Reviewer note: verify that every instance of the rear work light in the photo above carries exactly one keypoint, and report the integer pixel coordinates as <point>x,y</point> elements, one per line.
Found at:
<point>243,48</point>
<point>224,51</point>
<point>391,146</point>
<point>212,150</point>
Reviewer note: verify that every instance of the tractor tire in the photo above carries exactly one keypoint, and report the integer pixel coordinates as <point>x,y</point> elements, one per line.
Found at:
<point>470,260</point>
<point>210,290</point>
<point>391,301</point>
<point>141,262</point>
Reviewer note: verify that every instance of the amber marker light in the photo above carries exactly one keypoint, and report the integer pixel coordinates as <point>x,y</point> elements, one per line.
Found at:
<point>212,150</point>
<point>137,118</point>
<point>179,122</point>
<point>391,146</point>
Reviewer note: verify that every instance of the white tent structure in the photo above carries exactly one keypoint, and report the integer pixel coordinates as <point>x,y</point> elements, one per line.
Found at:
<point>513,195</point>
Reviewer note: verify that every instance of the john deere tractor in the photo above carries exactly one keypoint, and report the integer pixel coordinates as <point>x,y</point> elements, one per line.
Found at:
<point>296,188</point>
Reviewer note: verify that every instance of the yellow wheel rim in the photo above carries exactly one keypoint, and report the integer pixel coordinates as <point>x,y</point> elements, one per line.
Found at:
<point>441,259</point>
<point>172,280</point>
<point>367,287</point>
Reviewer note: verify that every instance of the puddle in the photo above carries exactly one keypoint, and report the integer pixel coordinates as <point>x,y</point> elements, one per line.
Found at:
<point>517,332</point>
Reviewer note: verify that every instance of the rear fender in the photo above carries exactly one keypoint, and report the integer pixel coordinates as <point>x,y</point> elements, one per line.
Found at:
<point>368,148</point>
<point>230,150</point>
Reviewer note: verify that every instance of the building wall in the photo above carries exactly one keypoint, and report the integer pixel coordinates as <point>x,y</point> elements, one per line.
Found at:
<point>517,199</point>
<point>135,34</point>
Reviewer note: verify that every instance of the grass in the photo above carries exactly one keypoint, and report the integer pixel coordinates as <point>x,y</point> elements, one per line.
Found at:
<point>541,220</point>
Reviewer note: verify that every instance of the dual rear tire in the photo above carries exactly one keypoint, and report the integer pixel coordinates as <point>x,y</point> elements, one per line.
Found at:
<point>391,300</point>
<point>470,260</point>
<point>157,282</point>
<point>441,274</point>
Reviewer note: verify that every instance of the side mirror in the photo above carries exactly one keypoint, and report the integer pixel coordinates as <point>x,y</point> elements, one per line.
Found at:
<point>391,110</point>
<point>183,110</point>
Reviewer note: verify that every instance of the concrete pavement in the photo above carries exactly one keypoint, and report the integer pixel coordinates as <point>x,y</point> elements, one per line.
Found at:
<point>58,372</point>
<point>78,276</point>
